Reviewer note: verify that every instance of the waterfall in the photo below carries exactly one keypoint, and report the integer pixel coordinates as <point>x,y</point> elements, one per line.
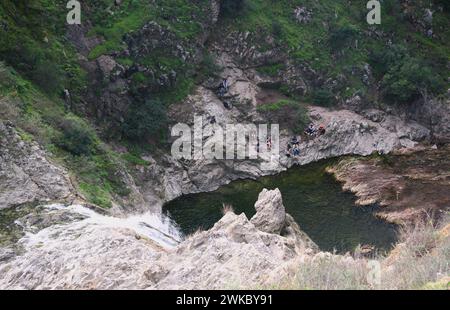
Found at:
<point>73,247</point>
<point>156,227</point>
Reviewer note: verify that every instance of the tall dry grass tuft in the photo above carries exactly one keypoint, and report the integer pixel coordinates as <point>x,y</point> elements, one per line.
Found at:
<point>227,208</point>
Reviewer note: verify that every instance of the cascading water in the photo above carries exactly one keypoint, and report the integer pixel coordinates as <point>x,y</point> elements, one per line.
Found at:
<point>79,248</point>
<point>156,227</point>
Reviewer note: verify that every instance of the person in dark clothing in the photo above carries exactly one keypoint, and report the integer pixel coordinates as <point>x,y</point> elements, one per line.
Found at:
<point>294,140</point>
<point>269,143</point>
<point>227,105</point>
<point>223,87</point>
<point>296,151</point>
<point>311,130</point>
<point>212,120</point>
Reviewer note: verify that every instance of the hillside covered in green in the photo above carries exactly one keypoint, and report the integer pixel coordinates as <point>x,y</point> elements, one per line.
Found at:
<point>163,49</point>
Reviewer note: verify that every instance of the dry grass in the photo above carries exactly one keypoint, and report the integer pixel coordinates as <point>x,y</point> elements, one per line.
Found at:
<point>227,208</point>
<point>333,273</point>
<point>195,234</point>
<point>421,260</point>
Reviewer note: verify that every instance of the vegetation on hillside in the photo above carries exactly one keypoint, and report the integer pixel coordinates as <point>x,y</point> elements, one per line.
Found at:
<point>290,113</point>
<point>335,41</point>
<point>72,141</point>
<point>145,120</point>
<point>32,40</point>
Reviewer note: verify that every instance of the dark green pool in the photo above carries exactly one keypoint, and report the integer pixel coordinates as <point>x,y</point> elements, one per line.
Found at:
<point>316,201</point>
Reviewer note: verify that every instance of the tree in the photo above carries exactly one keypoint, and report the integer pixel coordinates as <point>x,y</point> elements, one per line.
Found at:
<point>382,60</point>
<point>230,8</point>
<point>405,77</point>
<point>76,137</point>
<point>410,79</point>
<point>145,120</point>
<point>324,97</point>
<point>341,36</point>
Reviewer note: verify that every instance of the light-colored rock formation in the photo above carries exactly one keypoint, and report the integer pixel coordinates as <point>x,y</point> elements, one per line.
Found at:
<point>350,133</point>
<point>26,174</point>
<point>90,251</point>
<point>270,214</point>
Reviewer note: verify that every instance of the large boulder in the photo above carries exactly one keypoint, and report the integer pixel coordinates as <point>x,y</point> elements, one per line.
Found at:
<point>270,214</point>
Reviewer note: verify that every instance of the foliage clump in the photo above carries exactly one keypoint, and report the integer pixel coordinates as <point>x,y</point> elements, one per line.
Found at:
<point>290,113</point>
<point>145,120</point>
<point>76,137</point>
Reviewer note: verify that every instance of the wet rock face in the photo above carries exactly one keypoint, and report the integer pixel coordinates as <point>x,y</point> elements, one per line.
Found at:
<point>270,214</point>
<point>26,175</point>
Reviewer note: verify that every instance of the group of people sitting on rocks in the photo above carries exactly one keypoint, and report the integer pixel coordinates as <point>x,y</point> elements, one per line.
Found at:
<point>293,147</point>
<point>313,131</point>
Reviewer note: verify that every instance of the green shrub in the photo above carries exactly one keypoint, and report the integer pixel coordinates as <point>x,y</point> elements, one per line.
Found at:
<point>139,78</point>
<point>341,36</point>
<point>135,159</point>
<point>76,137</point>
<point>272,69</point>
<point>208,67</point>
<point>410,79</point>
<point>288,113</point>
<point>276,106</point>
<point>323,97</point>
<point>48,76</point>
<point>145,121</point>
<point>382,60</point>
<point>96,195</point>
<point>405,77</point>
<point>230,8</point>
<point>277,29</point>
